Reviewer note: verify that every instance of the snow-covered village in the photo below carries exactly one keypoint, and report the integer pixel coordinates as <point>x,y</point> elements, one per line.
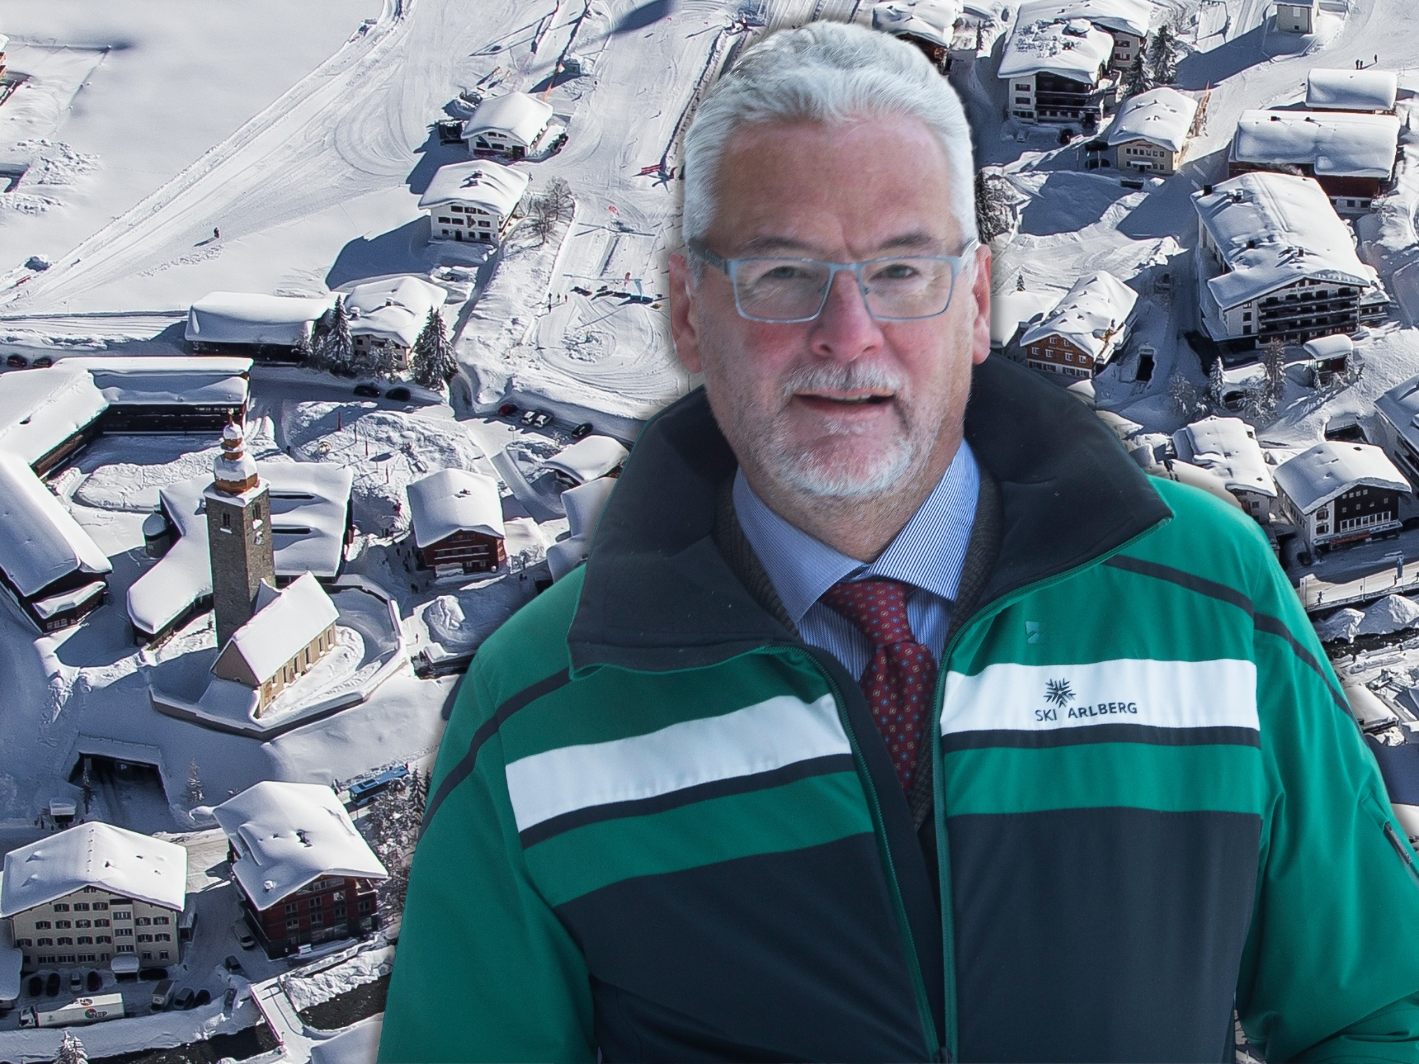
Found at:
<point>325,329</point>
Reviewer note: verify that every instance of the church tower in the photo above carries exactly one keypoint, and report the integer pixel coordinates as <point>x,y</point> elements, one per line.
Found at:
<point>238,533</point>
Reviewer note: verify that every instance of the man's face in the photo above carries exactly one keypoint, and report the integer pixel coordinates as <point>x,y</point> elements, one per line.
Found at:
<point>842,406</point>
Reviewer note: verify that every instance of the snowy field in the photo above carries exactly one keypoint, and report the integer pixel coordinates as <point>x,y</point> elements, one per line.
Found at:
<point>304,133</point>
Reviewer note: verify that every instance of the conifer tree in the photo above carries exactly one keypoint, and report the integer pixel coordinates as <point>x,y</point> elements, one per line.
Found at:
<point>71,1050</point>
<point>338,347</point>
<point>434,363</point>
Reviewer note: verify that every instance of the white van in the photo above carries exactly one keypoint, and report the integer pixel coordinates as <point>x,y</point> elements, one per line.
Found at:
<point>162,993</point>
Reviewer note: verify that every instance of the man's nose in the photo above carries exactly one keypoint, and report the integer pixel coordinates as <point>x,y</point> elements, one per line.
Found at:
<point>845,329</point>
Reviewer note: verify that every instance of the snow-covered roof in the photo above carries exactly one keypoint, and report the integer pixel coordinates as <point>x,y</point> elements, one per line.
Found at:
<point>584,503</point>
<point>1273,230</point>
<point>39,539</point>
<point>1333,346</point>
<point>253,318</point>
<point>1227,447</point>
<point>1097,305</point>
<point>94,855</point>
<point>587,459</point>
<point>1072,48</point>
<point>287,835</point>
<point>930,20</point>
<point>1320,473</point>
<point>1161,116</point>
<point>517,116</point>
<point>1351,90</point>
<point>487,184</point>
<point>1340,143</point>
<point>1016,308</point>
<point>1400,407</point>
<point>12,958</point>
<point>1126,16</point>
<point>41,408</point>
<point>454,500</point>
<point>175,380</point>
<point>566,554</point>
<point>392,308</point>
<point>309,506</point>
<point>284,622</point>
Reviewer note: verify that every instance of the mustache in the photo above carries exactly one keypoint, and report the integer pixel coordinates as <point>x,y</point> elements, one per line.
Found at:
<point>841,377</point>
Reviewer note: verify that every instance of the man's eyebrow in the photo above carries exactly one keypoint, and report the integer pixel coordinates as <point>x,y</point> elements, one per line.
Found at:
<point>774,244</point>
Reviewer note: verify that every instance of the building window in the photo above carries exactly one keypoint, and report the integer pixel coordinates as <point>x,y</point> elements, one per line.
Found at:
<point>123,914</point>
<point>62,923</point>
<point>41,925</point>
<point>81,906</point>
<point>292,923</point>
<point>83,923</point>
<point>123,932</point>
<point>123,947</point>
<point>64,940</point>
<point>100,922</point>
<point>44,942</point>
<point>61,907</point>
<point>143,921</point>
<point>100,905</point>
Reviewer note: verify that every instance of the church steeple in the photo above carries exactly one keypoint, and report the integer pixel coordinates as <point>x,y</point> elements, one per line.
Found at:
<point>233,471</point>
<point>239,535</point>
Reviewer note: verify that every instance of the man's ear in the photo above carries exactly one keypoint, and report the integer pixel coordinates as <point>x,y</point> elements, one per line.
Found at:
<point>682,313</point>
<point>980,306</point>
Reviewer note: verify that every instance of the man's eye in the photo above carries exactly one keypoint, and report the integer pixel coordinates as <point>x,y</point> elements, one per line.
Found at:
<point>783,272</point>
<point>895,271</point>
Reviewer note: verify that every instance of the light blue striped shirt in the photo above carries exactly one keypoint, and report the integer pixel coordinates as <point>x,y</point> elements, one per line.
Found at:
<point>928,553</point>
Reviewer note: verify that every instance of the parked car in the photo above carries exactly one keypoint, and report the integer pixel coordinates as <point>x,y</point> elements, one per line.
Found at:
<point>229,999</point>
<point>17,362</point>
<point>43,362</point>
<point>233,964</point>
<point>245,939</point>
<point>507,410</point>
<point>162,994</point>
<point>542,420</point>
<point>529,416</point>
<point>184,997</point>
<point>583,430</point>
<point>51,984</point>
<point>93,981</point>
<point>203,996</point>
<point>34,985</point>
<point>152,973</point>
<point>399,393</point>
<point>369,391</point>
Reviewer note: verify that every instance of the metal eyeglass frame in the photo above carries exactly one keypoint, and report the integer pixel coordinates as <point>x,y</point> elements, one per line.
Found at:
<point>730,266</point>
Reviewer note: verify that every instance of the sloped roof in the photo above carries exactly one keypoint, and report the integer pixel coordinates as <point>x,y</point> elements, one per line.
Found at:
<point>1226,446</point>
<point>517,115</point>
<point>94,855</point>
<point>284,622</point>
<point>1320,473</point>
<point>393,308</point>
<point>39,539</point>
<point>287,835</point>
<point>1272,230</point>
<point>176,380</point>
<point>1098,303</point>
<point>1128,16</point>
<point>1161,116</point>
<point>253,318</point>
<point>454,500</point>
<point>1400,407</point>
<point>487,184</point>
<point>1072,48</point>
<point>1339,143</point>
<point>1352,90</point>
<point>930,20</point>
<point>41,408</point>
<point>587,459</point>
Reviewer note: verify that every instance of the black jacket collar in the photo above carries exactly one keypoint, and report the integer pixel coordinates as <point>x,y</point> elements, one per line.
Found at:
<point>658,594</point>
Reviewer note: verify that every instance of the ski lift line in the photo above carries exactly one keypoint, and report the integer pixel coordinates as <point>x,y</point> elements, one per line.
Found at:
<point>701,84</point>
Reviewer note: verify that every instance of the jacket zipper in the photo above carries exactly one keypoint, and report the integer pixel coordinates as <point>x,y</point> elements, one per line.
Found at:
<point>928,1023</point>
<point>1401,849</point>
<point>951,1049</point>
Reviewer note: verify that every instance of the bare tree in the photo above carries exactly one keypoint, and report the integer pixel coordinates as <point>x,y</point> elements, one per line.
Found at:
<point>1184,395</point>
<point>554,206</point>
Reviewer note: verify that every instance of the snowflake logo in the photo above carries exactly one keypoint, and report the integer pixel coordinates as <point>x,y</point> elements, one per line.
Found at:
<point>1059,693</point>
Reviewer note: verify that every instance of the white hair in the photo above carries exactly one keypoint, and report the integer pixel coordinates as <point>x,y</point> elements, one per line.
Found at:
<point>827,72</point>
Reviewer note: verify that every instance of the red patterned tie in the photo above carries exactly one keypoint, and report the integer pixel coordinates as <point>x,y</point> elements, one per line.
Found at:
<point>901,677</point>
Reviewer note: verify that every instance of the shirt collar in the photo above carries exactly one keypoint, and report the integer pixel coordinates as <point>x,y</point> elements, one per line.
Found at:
<point>928,553</point>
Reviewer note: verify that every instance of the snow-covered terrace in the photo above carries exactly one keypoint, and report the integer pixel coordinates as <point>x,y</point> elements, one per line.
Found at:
<point>1160,116</point>
<point>42,541</point>
<point>1351,90</point>
<point>94,855</point>
<point>1074,48</point>
<point>392,308</point>
<point>1087,315</point>
<point>287,835</point>
<point>1320,473</point>
<point>490,185</point>
<point>517,116</point>
<point>588,459</point>
<point>253,318</point>
<point>1273,230</point>
<point>1226,447</point>
<point>309,510</point>
<point>1338,143</point>
<point>454,500</point>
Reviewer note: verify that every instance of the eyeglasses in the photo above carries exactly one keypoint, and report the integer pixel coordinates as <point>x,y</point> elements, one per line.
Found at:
<point>790,290</point>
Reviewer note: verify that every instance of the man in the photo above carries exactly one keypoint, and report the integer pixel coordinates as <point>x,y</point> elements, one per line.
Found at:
<point>1099,785</point>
